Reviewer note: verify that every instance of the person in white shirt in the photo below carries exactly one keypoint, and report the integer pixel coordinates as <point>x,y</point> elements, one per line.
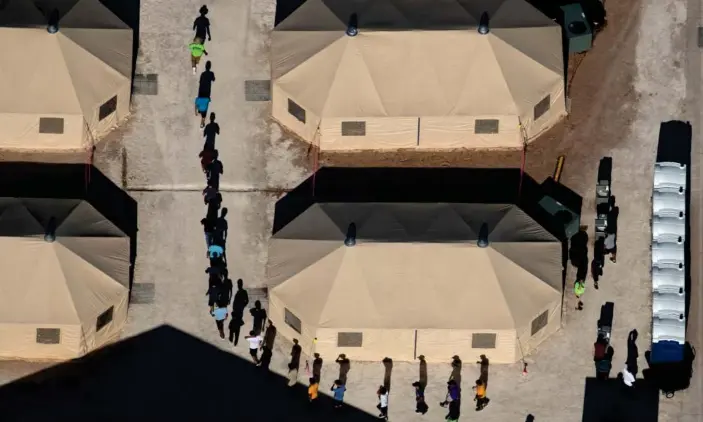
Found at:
<point>383,402</point>
<point>255,341</point>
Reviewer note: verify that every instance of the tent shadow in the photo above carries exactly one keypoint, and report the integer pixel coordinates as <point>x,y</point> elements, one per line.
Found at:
<point>163,374</point>
<point>74,181</point>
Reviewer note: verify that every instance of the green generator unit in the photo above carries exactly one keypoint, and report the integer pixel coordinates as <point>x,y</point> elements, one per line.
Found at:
<point>577,30</point>
<point>564,204</point>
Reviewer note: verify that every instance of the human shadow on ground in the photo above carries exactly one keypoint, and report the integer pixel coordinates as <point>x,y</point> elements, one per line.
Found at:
<point>74,181</point>
<point>387,372</point>
<point>608,401</point>
<point>632,353</point>
<point>163,374</point>
<point>484,362</point>
<point>207,77</point>
<point>344,367</point>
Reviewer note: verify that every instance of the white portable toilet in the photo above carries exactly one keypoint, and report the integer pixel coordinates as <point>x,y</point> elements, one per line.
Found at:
<point>668,280</point>
<point>668,330</point>
<point>670,177</point>
<point>669,306</point>
<point>668,205</point>
<point>668,230</point>
<point>668,255</point>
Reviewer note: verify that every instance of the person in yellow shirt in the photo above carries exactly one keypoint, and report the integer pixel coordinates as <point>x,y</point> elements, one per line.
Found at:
<point>480,398</point>
<point>197,49</point>
<point>312,390</point>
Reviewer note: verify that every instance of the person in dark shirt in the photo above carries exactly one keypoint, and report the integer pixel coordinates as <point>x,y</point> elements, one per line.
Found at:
<point>201,25</point>
<point>270,335</point>
<point>209,230</point>
<point>221,226</point>
<point>235,326</point>
<point>206,156</point>
<point>259,316</point>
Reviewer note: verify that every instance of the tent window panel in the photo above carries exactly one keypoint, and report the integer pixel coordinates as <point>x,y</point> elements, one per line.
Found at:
<point>542,107</point>
<point>350,339</point>
<point>293,321</point>
<point>104,319</point>
<point>51,125</point>
<point>353,128</point>
<point>540,322</point>
<point>296,111</point>
<point>108,108</point>
<point>48,335</point>
<point>483,340</point>
<point>486,126</point>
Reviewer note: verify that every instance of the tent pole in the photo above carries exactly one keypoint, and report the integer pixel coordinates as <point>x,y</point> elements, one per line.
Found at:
<point>316,158</point>
<point>523,134</point>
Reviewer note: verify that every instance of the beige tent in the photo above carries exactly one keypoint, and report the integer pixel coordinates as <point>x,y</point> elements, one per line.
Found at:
<point>59,299</point>
<point>418,74</point>
<point>62,91</point>
<point>416,282</point>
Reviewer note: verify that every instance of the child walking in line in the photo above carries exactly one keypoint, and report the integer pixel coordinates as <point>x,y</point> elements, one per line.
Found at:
<point>382,402</point>
<point>480,398</point>
<point>197,49</point>
<point>201,105</point>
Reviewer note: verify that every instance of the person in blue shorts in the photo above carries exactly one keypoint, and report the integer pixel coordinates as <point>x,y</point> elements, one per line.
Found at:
<point>201,105</point>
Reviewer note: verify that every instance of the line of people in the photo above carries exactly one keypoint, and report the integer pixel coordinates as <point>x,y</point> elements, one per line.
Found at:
<point>602,247</point>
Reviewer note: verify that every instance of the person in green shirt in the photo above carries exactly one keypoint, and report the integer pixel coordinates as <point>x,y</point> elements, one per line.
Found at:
<point>197,49</point>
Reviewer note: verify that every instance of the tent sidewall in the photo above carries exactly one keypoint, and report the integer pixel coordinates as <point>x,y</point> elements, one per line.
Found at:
<point>276,314</point>
<point>19,341</point>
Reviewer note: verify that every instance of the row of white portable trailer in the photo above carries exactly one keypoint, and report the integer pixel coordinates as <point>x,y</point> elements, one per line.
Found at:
<point>669,267</point>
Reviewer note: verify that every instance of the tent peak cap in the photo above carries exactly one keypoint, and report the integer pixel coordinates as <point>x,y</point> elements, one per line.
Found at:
<point>353,25</point>
<point>483,27</point>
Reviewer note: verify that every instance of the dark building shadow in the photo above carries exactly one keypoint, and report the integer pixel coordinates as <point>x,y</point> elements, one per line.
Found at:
<point>74,181</point>
<point>607,401</point>
<point>285,8</point>
<point>420,185</point>
<point>163,374</point>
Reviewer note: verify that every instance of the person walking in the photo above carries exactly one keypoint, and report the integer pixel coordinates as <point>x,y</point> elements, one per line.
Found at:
<point>220,315</point>
<point>215,251</point>
<point>201,25</point>
<point>598,260</point>
<point>197,49</point>
<point>254,341</point>
<point>295,352</point>
<point>579,290</point>
<point>206,156</point>
<point>338,389</point>
<point>420,404</point>
<point>611,247</point>
<point>259,316</point>
<point>480,397</point>
<point>382,402</point>
<point>313,390</point>
<point>201,106</point>
<point>452,393</point>
<point>208,230</point>
<point>454,411</point>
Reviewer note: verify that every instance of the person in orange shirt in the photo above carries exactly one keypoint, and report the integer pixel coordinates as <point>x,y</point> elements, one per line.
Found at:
<point>312,390</point>
<point>480,398</point>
